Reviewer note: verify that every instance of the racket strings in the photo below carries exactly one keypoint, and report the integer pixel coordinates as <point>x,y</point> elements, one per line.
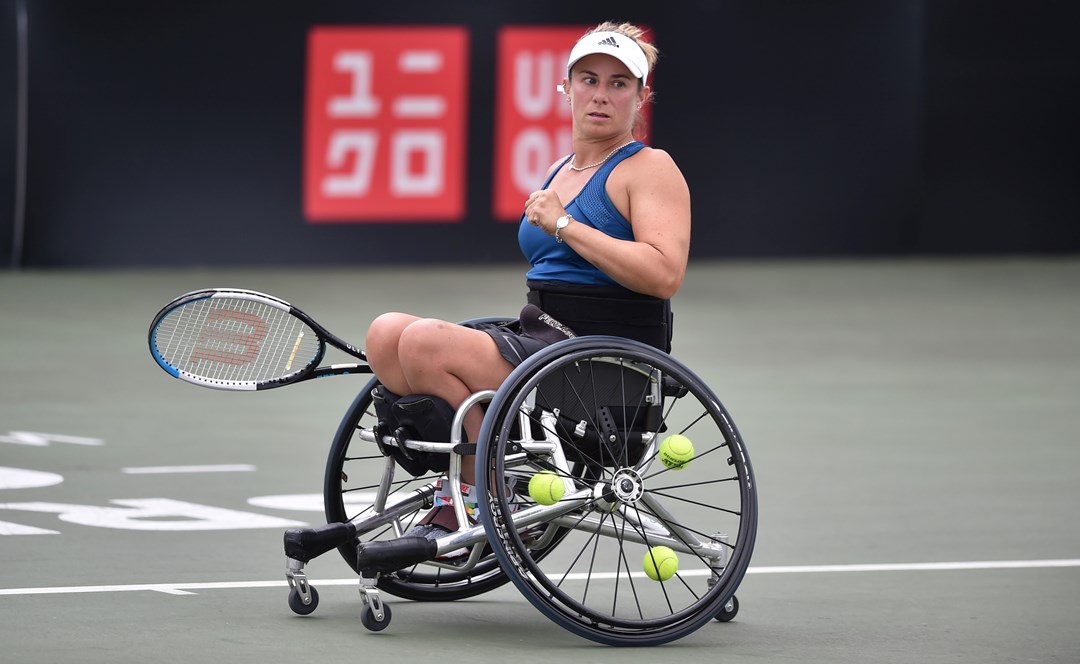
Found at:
<point>236,340</point>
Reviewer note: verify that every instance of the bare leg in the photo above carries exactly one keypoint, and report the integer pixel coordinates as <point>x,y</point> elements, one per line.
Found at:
<point>438,358</point>
<point>383,341</point>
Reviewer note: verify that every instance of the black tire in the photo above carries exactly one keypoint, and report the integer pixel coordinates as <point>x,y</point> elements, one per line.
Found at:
<point>593,584</point>
<point>354,465</point>
<point>728,616</point>
<point>297,604</point>
<point>367,618</point>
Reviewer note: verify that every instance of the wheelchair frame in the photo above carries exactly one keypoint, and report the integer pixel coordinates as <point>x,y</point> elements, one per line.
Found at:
<point>614,498</point>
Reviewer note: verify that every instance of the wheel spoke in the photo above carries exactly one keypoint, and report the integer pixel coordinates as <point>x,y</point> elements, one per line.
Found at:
<point>695,502</point>
<point>665,469</point>
<point>705,536</point>
<point>629,577</point>
<point>573,563</point>
<point>685,486</point>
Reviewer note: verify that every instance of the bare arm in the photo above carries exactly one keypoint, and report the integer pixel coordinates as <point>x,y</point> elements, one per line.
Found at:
<point>650,191</point>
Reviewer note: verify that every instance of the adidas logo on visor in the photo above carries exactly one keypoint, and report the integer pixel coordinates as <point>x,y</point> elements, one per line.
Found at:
<point>610,41</point>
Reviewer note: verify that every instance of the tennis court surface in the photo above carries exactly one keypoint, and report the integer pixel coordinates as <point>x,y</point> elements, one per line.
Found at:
<point>912,425</point>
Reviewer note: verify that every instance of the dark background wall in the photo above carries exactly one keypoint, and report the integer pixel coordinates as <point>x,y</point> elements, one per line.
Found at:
<point>171,133</point>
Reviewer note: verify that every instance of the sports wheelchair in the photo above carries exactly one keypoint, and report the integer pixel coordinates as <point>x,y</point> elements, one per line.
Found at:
<point>595,411</point>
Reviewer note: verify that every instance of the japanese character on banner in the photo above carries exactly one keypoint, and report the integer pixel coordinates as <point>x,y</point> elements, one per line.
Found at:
<point>385,124</point>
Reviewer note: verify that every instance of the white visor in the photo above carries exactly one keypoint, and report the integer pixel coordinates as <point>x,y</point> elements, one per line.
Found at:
<point>618,46</point>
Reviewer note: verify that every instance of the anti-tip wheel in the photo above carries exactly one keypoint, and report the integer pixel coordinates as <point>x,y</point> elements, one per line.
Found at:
<point>297,604</point>
<point>367,618</point>
<point>725,615</point>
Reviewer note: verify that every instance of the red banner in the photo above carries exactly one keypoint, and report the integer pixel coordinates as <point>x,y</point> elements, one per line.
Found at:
<point>385,123</point>
<point>532,119</point>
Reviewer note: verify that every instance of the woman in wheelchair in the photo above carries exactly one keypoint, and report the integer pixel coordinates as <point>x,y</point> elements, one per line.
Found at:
<point>607,236</point>
<point>583,400</point>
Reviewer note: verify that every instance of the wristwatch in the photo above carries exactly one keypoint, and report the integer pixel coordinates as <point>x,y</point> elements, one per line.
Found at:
<point>561,223</point>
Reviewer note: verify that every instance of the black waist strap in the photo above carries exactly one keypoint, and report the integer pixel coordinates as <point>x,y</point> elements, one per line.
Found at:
<point>606,310</point>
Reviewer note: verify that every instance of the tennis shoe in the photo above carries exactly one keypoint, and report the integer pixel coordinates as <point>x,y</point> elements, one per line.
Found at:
<point>433,531</point>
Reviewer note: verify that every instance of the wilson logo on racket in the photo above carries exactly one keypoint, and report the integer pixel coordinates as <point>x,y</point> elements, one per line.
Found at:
<point>222,341</point>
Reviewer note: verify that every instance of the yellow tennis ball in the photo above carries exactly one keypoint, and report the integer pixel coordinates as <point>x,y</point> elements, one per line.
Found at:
<point>676,451</point>
<point>660,563</point>
<point>546,488</point>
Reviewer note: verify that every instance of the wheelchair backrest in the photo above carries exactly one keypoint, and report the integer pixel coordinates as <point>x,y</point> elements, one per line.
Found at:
<point>604,405</point>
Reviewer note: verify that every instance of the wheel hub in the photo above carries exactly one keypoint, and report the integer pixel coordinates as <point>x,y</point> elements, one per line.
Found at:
<point>627,486</point>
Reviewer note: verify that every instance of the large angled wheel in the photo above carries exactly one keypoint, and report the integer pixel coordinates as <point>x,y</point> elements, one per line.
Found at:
<point>353,471</point>
<point>617,400</point>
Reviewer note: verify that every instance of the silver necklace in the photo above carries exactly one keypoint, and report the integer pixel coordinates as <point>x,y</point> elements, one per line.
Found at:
<point>602,161</point>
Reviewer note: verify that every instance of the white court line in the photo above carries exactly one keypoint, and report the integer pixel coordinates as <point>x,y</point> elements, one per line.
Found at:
<point>187,588</point>
<point>166,470</point>
<point>918,567</point>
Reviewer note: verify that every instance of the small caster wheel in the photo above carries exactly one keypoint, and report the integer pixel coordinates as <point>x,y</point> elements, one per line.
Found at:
<point>297,604</point>
<point>726,613</point>
<point>367,618</point>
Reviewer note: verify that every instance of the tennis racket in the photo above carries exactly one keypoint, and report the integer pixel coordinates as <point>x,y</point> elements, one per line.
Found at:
<point>232,339</point>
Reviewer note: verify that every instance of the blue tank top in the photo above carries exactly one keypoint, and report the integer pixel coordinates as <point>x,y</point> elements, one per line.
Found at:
<point>556,261</point>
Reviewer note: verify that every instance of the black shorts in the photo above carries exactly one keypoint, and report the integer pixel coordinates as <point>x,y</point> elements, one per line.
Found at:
<point>513,346</point>
<point>533,331</point>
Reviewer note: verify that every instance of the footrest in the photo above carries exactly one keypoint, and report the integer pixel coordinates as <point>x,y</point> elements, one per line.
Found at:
<point>305,544</point>
<point>395,554</point>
